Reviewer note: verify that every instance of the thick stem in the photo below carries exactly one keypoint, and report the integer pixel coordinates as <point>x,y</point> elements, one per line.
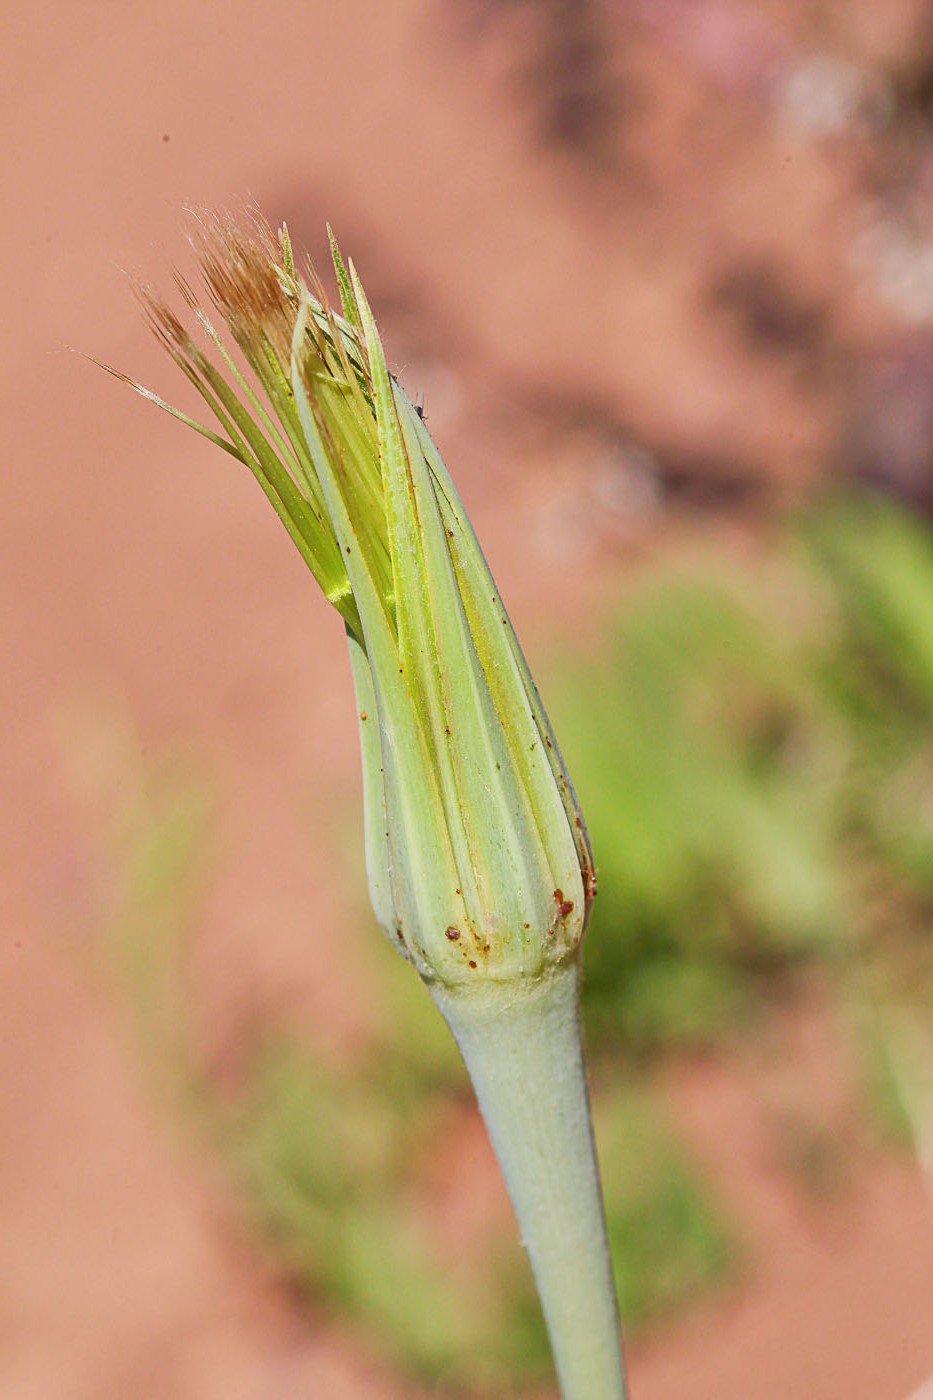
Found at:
<point>521,1045</point>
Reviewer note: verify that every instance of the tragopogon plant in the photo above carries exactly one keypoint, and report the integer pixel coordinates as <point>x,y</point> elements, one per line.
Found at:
<point>479,866</point>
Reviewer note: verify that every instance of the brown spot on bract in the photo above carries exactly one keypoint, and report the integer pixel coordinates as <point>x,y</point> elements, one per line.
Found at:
<point>472,963</point>
<point>564,906</point>
<point>453,933</point>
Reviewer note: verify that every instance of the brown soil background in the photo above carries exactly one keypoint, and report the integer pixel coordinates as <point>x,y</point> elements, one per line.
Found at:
<point>555,295</point>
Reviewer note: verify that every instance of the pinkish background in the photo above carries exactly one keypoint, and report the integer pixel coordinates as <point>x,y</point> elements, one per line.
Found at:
<point>540,201</point>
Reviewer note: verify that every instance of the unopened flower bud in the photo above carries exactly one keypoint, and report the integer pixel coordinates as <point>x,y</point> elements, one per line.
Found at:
<point>478,861</point>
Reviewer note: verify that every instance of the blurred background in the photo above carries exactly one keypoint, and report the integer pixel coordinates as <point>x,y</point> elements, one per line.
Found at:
<point>663,272</point>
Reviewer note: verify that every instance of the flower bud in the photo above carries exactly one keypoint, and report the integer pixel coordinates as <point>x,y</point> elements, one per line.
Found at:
<point>478,860</point>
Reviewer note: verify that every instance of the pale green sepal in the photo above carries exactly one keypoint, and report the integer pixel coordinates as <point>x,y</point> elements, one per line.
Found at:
<point>503,873</point>
<point>489,751</point>
<point>509,674</point>
<point>422,875</point>
<point>375,820</point>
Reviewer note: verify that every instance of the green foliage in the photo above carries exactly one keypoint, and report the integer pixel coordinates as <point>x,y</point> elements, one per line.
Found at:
<point>323,1158</point>
<point>880,560</point>
<point>707,775</point>
<point>755,758</point>
<point>878,678</point>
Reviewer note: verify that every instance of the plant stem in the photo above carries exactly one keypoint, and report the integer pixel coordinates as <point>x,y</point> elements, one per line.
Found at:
<point>521,1044</point>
